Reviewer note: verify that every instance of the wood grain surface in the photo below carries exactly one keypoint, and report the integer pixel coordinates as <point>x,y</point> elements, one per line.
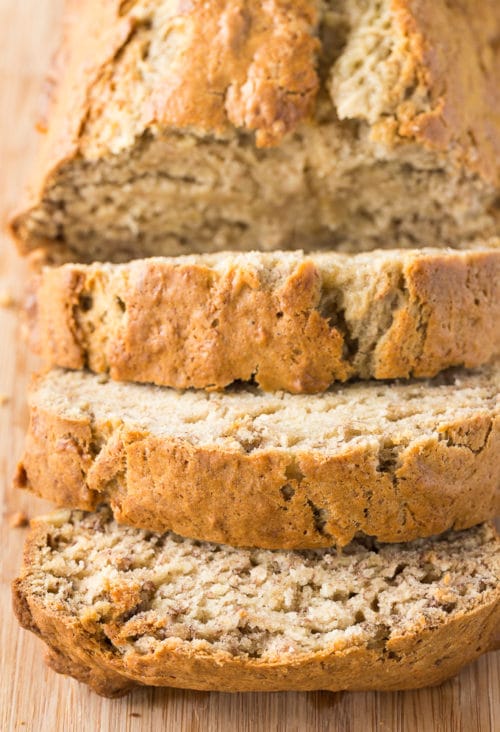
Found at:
<point>33,697</point>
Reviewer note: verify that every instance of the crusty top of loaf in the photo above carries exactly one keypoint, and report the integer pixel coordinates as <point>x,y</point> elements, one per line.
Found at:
<point>414,70</point>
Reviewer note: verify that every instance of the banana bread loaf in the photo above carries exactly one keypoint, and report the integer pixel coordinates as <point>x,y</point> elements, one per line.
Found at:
<point>209,125</point>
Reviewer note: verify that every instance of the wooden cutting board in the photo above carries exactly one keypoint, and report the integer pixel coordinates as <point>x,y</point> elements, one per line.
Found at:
<point>33,697</point>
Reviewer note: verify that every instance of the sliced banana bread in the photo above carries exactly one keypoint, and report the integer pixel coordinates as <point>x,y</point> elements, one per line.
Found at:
<point>209,125</point>
<point>120,607</point>
<point>288,320</point>
<point>247,468</point>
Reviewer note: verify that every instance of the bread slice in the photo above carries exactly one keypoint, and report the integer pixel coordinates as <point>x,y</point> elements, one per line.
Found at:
<point>120,607</point>
<point>287,320</point>
<point>205,126</point>
<point>246,468</point>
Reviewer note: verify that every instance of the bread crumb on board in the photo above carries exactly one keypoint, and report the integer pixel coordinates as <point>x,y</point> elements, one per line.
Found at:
<point>18,520</point>
<point>7,299</point>
<point>4,399</point>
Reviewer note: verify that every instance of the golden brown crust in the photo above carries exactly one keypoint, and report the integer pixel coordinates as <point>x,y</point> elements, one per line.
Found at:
<point>145,322</point>
<point>457,58</point>
<point>257,73</point>
<point>422,657</point>
<point>270,498</point>
<point>170,310</point>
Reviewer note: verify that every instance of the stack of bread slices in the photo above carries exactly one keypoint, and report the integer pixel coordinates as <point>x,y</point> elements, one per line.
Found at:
<point>268,306</point>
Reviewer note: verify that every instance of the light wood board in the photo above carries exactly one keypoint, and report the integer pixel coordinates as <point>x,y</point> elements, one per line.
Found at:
<point>33,697</point>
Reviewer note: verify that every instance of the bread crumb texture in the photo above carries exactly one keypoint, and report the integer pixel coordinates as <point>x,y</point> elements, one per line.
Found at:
<point>204,126</point>
<point>140,600</point>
